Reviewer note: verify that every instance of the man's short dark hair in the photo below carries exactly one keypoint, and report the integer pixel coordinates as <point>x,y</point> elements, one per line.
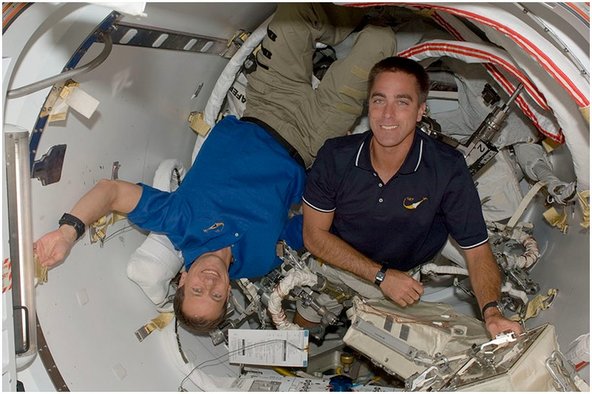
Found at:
<point>196,325</point>
<point>402,64</point>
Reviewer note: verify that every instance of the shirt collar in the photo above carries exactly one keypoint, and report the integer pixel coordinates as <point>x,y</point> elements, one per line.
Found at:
<point>411,163</point>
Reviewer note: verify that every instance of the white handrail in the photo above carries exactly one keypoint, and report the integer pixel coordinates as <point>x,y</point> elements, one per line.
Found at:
<point>18,186</point>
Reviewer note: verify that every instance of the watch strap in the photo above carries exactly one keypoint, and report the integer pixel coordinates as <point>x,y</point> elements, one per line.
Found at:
<point>73,221</point>
<point>492,304</point>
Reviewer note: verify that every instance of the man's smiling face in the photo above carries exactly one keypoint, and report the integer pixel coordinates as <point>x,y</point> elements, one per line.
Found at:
<point>394,108</point>
<point>206,286</point>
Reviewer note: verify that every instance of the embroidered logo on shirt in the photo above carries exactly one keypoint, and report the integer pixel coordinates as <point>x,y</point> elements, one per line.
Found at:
<point>214,227</point>
<point>409,204</point>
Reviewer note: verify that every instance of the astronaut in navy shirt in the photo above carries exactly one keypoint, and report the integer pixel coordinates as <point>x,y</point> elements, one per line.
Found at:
<point>380,203</point>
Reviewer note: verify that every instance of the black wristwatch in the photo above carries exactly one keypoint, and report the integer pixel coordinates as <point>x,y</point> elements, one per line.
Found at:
<point>380,275</point>
<point>73,221</point>
<point>492,304</point>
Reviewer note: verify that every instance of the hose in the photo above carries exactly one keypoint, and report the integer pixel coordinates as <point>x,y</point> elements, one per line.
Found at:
<point>274,306</point>
<point>531,255</point>
<point>44,83</point>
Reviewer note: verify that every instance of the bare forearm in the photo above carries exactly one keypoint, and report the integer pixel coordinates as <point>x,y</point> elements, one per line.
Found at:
<point>486,281</point>
<point>104,197</point>
<point>486,287</point>
<point>396,285</point>
<point>339,253</point>
<point>484,275</point>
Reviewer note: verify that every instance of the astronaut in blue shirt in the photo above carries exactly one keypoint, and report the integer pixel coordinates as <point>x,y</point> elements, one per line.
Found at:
<point>228,213</point>
<point>226,216</point>
<point>232,203</point>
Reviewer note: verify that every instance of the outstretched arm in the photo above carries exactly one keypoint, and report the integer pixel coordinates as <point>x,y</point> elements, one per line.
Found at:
<point>397,285</point>
<point>106,196</point>
<point>486,283</point>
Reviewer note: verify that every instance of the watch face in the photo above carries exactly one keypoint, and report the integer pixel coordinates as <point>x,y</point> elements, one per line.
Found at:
<point>379,277</point>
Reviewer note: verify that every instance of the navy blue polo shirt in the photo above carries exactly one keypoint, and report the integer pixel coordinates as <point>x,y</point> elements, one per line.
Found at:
<point>406,221</point>
<point>237,193</point>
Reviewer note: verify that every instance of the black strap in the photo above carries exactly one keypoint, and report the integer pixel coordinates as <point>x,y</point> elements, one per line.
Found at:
<point>73,221</point>
<point>492,304</point>
<point>291,150</point>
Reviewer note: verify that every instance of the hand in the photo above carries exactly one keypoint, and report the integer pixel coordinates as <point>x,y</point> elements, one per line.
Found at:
<point>55,246</point>
<point>401,288</point>
<point>496,323</point>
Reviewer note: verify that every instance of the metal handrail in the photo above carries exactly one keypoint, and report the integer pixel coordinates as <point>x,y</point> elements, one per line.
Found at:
<point>44,83</point>
<point>20,224</point>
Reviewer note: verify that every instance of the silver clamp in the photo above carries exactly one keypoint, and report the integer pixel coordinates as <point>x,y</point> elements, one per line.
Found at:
<point>500,339</point>
<point>562,371</point>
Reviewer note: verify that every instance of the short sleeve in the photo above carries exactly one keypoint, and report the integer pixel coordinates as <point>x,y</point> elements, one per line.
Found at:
<point>461,207</point>
<point>320,190</point>
<point>152,210</point>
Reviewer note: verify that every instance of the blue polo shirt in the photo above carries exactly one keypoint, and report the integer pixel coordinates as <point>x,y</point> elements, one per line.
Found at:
<point>406,221</point>
<point>237,193</point>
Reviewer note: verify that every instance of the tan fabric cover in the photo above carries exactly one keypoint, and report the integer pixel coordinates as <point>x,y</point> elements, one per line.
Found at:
<point>429,338</point>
